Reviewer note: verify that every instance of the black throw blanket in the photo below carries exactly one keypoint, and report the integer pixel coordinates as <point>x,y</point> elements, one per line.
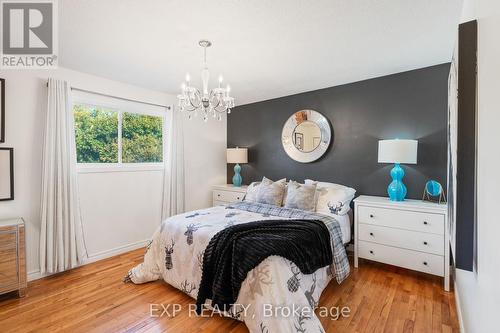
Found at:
<point>236,250</point>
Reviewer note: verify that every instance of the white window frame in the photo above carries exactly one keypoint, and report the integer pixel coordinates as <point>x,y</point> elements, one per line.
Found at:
<point>120,109</point>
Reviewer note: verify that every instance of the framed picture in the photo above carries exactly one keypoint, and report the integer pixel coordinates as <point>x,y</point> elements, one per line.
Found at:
<point>2,110</point>
<point>6,174</point>
<point>299,141</point>
<point>316,141</point>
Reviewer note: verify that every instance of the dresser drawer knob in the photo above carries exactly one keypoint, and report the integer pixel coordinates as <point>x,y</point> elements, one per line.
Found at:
<point>425,222</point>
<point>371,215</point>
<point>425,243</point>
<point>238,198</point>
<point>371,233</point>
<point>218,195</point>
<point>371,251</point>
<point>425,263</point>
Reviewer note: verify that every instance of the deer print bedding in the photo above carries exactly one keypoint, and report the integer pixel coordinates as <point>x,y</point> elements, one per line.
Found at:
<point>274,297</point>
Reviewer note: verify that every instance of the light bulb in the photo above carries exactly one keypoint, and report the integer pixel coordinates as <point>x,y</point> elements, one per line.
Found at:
<point>221,79</point>
<point>188,77</point>
<point>228,88</point>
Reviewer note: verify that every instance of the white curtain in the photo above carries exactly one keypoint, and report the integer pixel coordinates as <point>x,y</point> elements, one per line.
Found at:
<point>61,238</point>
<point>173,180</point>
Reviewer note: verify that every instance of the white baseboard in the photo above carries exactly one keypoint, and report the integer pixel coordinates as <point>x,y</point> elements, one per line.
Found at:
<point>36,274</point>
<point>459,309</point>
<point>115,251</point>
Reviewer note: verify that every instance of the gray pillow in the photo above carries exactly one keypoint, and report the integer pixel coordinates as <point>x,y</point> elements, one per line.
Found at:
<point>271,192</point>
<point>300,196</point>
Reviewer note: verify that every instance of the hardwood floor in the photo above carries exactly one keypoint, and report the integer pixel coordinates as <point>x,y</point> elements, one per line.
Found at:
<point>93,298</point>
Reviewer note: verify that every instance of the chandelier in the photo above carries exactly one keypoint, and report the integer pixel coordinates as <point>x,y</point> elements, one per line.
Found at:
<point>209,103</point>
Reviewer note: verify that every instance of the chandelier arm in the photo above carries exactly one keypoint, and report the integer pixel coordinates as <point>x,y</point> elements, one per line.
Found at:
<point>222,111</point>
<point>219,108</point>
<point>221,103</point>
<point>196,93</point>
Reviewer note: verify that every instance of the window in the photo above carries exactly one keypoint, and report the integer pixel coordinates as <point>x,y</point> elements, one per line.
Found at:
<point>96,134</point>
<point>118,135</point>
<point>141,138</point>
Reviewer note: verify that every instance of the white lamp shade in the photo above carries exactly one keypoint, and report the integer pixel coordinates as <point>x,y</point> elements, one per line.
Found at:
<point>397,151</point>
<point>237,155</point>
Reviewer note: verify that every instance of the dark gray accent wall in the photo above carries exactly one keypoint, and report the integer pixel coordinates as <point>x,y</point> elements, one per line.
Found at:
<point>466,146</point>
<point>409,105</point>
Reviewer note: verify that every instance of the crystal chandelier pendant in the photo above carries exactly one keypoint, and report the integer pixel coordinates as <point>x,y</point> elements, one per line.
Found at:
<point>215,102</point>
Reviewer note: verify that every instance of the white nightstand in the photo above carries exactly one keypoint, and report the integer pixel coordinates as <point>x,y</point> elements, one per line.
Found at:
<point>412,234</point>
<point>228,193</point>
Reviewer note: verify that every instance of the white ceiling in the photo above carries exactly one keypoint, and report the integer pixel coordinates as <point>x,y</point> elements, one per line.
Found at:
<point>264,49</point>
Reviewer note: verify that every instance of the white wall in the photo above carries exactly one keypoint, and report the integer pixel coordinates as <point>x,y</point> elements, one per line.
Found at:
<point>479,293</point>
<point>119,209</point>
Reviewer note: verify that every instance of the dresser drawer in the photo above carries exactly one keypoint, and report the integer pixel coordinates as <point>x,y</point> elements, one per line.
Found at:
<point>8,269</point>
<point>418,261</point>
<point>227,196</point>
<point>8,238</point>
<point>412,240</point>
<point>403,219</point>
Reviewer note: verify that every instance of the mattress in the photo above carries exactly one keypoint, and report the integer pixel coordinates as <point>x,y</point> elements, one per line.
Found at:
<point>345,226</point>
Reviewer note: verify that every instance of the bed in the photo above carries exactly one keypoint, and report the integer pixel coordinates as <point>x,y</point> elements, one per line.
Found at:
<point>176,252</point>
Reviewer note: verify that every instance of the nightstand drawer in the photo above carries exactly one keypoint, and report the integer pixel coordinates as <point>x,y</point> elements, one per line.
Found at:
<point>412,240</point>
<point>403,219</point>
<point>227,196</point>
<point>418,261</point>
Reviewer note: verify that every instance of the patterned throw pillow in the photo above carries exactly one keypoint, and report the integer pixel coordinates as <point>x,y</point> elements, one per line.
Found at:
<point>333,198</point>
<point>271,192</point>
<point>301,196</point>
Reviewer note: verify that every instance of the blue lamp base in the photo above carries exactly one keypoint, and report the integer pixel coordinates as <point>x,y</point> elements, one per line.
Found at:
<point>396,189</point>
<point>237,180</point>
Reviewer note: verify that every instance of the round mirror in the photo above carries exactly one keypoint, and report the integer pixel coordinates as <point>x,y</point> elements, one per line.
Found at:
<point>306,136</point>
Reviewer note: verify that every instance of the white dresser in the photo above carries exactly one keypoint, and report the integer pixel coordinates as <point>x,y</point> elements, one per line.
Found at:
<point>228,193</point>
<point>412,234</point>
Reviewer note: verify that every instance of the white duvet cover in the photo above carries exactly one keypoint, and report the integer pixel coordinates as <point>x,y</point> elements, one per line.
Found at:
<point>176,255</point>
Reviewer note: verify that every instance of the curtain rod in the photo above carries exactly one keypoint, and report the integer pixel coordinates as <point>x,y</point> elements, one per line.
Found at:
<point>168,107</point>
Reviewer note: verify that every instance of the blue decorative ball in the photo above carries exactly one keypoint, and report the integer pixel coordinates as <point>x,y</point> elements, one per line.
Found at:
<point>433,188</point>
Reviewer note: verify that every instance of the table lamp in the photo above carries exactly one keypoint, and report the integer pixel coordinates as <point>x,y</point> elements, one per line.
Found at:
<point>237,155</point>
<point>397,152</point>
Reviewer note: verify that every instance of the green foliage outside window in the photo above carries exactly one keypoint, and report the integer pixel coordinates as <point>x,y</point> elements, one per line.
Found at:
<point>96,134</point>
<point>141,138</point>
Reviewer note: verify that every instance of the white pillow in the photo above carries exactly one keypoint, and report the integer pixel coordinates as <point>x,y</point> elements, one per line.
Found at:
<point>252,191</point>
<point>333,198</point>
